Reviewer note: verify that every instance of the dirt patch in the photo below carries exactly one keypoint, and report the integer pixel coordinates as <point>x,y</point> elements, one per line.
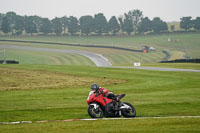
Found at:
<point>18,79</point>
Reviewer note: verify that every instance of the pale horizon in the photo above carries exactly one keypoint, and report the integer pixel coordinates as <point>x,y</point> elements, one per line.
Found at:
<point>167,10</point>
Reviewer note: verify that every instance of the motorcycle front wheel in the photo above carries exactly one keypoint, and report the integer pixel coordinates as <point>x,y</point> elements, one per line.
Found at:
<point>129,111</point>
<point>95,113</point>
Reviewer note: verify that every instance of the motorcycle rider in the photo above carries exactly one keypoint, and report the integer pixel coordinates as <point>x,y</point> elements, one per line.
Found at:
<point>101,90</point>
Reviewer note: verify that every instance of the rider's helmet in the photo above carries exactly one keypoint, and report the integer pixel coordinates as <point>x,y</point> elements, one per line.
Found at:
<point>94,87</point>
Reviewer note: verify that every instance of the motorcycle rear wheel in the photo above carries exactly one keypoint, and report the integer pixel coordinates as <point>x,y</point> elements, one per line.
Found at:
<point>130,112</point>
<point>95,113</point>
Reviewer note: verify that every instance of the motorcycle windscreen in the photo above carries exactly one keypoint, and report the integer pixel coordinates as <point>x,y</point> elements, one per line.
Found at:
<point>90,93</point>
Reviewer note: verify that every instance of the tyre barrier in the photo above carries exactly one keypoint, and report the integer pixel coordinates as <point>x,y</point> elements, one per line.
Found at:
<point>9,62</point>
<point>182,61</point>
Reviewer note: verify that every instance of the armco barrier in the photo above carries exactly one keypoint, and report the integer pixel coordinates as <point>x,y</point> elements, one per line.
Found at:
<point>68,44</point>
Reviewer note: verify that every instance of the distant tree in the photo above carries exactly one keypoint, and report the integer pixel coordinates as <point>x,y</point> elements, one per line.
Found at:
<point>128,24</point>
<point>158,25</point>
<point>172,27</point>
<point>100,24</point>
<point>86,24</point>
<point>19,24</point>
<point>46,26</point>
<point>37,21</point>
<point>57,25</point>
<point>11,20</point>
<point>11,16</point>
<point>121,21</point>
<point>1,18</point>
<point>5,27</point>
<point>136,16</point>
<point>145,25</point>
<point>73,26</point>
<point>114,26</point>
<point>65,22</point>
<point>164,26</point>
<point>30,26</point>
<point>186,23</point>
<point>197,23</point>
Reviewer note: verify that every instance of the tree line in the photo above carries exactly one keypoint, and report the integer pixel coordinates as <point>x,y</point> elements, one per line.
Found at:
<point>131,22</point>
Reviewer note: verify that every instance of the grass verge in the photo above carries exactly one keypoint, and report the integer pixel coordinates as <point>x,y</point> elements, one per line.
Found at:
<point>153,93</point>
<point>181,125</point>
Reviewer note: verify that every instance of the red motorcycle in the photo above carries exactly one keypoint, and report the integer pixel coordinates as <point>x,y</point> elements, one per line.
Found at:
<point>100,105</point>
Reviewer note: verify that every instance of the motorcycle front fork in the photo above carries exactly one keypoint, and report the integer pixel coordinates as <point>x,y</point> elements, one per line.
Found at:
<point>117,107</point>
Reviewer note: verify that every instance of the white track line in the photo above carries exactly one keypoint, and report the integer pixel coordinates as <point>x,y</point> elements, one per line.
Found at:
<point>69,120</point>
<point>167,117</point>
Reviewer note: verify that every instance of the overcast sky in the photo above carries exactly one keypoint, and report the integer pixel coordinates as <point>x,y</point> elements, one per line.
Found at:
<point>167,10</point>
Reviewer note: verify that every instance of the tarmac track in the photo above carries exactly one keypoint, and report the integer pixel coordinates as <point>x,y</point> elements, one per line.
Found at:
<point>98,59</point>
<point>119,118</point>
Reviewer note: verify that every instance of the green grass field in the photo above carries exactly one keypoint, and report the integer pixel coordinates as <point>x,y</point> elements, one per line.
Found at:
<point>36,57</point>
<point>55,86</point>
<point>180,46</point>
<point>45,92</point>
<point>116,57</point>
